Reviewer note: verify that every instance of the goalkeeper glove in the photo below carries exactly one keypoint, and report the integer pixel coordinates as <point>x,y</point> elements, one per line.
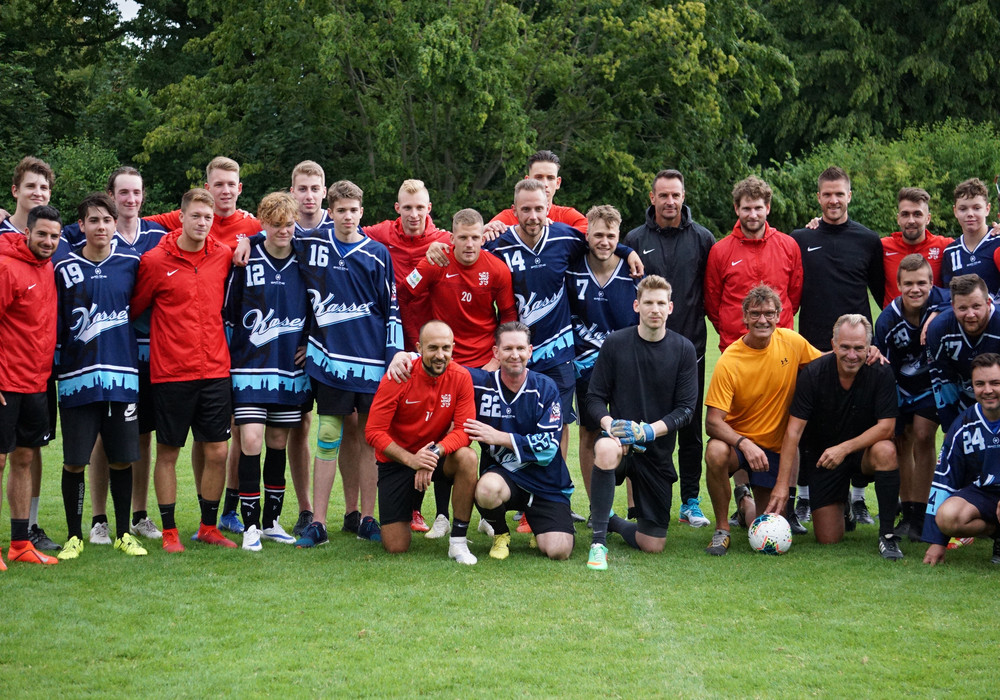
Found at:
<point>631,433</point>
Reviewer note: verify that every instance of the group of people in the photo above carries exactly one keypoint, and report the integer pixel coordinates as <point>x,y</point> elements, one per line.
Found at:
<point>410,342</point>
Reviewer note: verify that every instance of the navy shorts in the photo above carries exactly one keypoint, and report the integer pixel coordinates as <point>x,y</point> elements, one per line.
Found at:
<point>985,501</point>
<point>117,423</point>
<point>565,378</point>
<point>544,515</point>
<point>337,402</point>
<point>764,480</point>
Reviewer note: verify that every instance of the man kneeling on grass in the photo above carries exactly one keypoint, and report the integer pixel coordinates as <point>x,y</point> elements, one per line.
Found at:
<point>416,430</point>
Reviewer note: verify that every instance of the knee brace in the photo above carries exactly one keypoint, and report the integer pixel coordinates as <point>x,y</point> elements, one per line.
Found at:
<point>329,432</point>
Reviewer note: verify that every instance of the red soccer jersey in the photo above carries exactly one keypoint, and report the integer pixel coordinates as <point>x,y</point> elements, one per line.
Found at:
<point>565,215</point>
<point>406,252</point>
<point>470,299</point>
<point>186,290</point>
<point>423,410</point>
<point>225,229</point>
<point>895,248</point>
<point>27,317</point>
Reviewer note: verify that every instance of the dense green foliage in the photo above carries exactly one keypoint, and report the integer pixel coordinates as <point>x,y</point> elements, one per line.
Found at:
<point>458,94</point>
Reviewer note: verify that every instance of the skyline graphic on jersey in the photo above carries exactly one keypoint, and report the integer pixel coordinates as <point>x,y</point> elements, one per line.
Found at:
<point>99,379</point>
<point>263,329</point>
<point>549,349</point>
<point>343,369</point>
<point>327,313</point>
<point>270,382</point>
<point>90,323</point>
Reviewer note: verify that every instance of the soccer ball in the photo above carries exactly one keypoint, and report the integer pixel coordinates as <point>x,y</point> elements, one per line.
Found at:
<point>770,534</point>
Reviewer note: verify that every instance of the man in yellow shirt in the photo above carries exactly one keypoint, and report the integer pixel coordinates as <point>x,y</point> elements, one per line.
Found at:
<point>747,409</point>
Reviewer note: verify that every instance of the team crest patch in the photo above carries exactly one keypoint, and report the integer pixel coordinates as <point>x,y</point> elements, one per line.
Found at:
<point>413,279</point>
<point>445,400</point>
<point>484,279</point>
<point>933,253</point>
<point>555,413</point>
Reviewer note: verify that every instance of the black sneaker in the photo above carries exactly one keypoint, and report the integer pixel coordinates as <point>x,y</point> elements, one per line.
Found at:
<point>888,547</point>
<point>305,517</point>
<point>996,551</point>
<point>739,493</point>
<point>861,513</point>
<point>903,529</point>
<point>577,518</point>
<point>850,522</point>
<point>802,510</point>
<point>793,522</point>
<point>734,520</point>
<point>41,540</point>
<point>352,522</point>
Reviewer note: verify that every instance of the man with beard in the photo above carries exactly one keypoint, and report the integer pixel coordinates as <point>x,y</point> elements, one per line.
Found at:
<point>912,215</point>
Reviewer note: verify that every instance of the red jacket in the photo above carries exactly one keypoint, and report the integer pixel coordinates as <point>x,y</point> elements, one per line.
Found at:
<point>565,215</point>
<point>406,251</point>
<point>737,264</point>
<point>27,317</point>
<point>225,229</point>
<point>895,248</point>
<point>422,410</point>
<point>187,340</point>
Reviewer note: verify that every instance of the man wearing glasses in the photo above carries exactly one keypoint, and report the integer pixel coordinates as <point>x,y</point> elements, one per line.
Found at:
<point>747,410</point>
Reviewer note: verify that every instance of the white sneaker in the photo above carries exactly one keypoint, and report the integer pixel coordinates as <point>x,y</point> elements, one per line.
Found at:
<point>251,539</point>
<point>100,534</point>
<point>145,528</point>
<point>440,528</point>
<point>278,534</point>
<point>485,528</point>
<point>458,549</point>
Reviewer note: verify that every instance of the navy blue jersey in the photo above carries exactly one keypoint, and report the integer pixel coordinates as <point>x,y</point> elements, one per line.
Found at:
<point>596,311</point>
<point>266,312</point>
<point>950,352</point>
<point>899,341</point>
<point>534,420</point>
<point>96,347</point>
<point>355,328</point>
<point>325,224</point>
<point>539,280</point>
<point>970,454</point>
<point>959,260</point>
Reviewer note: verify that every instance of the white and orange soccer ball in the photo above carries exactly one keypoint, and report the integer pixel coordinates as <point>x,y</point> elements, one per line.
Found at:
<point>770,534</point>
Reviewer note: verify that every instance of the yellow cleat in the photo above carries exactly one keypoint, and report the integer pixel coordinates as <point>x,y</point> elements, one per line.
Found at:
<point>72,549</point>
<point>130,545</point>
<point>501,546</point>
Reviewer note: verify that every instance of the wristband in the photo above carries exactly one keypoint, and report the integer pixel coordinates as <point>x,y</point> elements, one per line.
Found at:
<point>737,445</point>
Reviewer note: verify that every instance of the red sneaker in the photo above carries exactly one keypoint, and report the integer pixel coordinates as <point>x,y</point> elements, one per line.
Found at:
<point>172,541</point>
<point>417,522</point>
<point>956,542</point>
<point>523,526</point>
<point>23,550</point>
<point>209,534</point>
<point>3,567</point>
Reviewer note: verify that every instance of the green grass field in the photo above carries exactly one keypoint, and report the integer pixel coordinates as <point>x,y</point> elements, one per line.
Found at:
<point>348,620</point>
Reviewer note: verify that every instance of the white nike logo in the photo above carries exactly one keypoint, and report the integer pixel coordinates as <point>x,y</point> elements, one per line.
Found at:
<point>408,401</point>
<point>454,274</point>
<point>171,272</point>
<point>811,249</point>
<point>647,252</point>
<point>32,286</point>
<point>888,254</point>
<point>733,264</point>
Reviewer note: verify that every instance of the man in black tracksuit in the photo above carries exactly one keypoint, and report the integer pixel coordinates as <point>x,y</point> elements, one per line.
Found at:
<point>673,246</point>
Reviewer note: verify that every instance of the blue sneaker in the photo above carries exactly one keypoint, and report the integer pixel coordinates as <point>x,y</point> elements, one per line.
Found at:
<point>313,536</point>
<point>231,521</point>
<point>692,515</point>
<point>370,529</point>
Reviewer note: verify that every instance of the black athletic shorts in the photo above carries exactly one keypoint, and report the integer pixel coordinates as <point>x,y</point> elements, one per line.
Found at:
<point>829,486</point>
<point>905,417</point>
<point>652,489</point>
<point>52,397</point>
<point>337,402</point>
<point>147,409</point>
<point>271,415</point>
<point>764,480</point>
<point>202,405</point>
<point>565,378</point>
<point>985,501</point>
<point>543,515</point>
<point>583,416</point>
<point>117,423</point>
<point>395,490</point>
<point>24,421</point>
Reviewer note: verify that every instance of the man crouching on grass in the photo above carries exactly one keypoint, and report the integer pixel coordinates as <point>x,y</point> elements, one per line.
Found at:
<point>416,430</point>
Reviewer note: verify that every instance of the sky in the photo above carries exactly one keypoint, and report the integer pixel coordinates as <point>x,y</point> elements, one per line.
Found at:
<point>128,8</point>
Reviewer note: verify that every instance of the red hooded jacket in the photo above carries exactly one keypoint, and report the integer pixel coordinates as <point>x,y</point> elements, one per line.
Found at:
<point>27,317</point>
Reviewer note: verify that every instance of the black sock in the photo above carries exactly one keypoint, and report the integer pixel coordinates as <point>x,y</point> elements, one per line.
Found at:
<point>72,493</point>
<point>624,528</point>
<point>917,518</point>
<point>442,496</point>
<point>459,528</point>
<point>274,485</point>
<point>98,519</point>
<point>905,509</point>
<point>417,502</point>
<point>232,500</point>
<point>497,518</point>
<point>887,494</point>
<point>602,498</point>
<point>138,516</point>
<point>167,515</point>
<point>18,530</point>
<point>210,512</point>
<point>249,491</point>
<point>120,481</point>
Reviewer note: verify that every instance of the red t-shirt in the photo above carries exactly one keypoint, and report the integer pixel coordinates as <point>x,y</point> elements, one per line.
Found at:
<point>895,248</point>
<point>225,229</point>
<point>564,215</point>
<point>470,299</point>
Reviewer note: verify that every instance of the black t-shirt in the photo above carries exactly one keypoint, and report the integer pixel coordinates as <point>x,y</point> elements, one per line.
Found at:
<point>836,414</point>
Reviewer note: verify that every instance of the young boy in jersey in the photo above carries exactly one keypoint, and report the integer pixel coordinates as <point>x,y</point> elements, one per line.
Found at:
<point>974,252</point>
<point>266,311</point>
<point>97,369</point>
<point>601,294</point>
<point>183,280</point>
<point>897,336</point>
<point>354,333</point>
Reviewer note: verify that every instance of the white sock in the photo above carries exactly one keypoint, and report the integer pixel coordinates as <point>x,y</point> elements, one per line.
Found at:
<point>458,540</point>
<point>33,515</point>
<point>804,492</point>
<point>857,493</point>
